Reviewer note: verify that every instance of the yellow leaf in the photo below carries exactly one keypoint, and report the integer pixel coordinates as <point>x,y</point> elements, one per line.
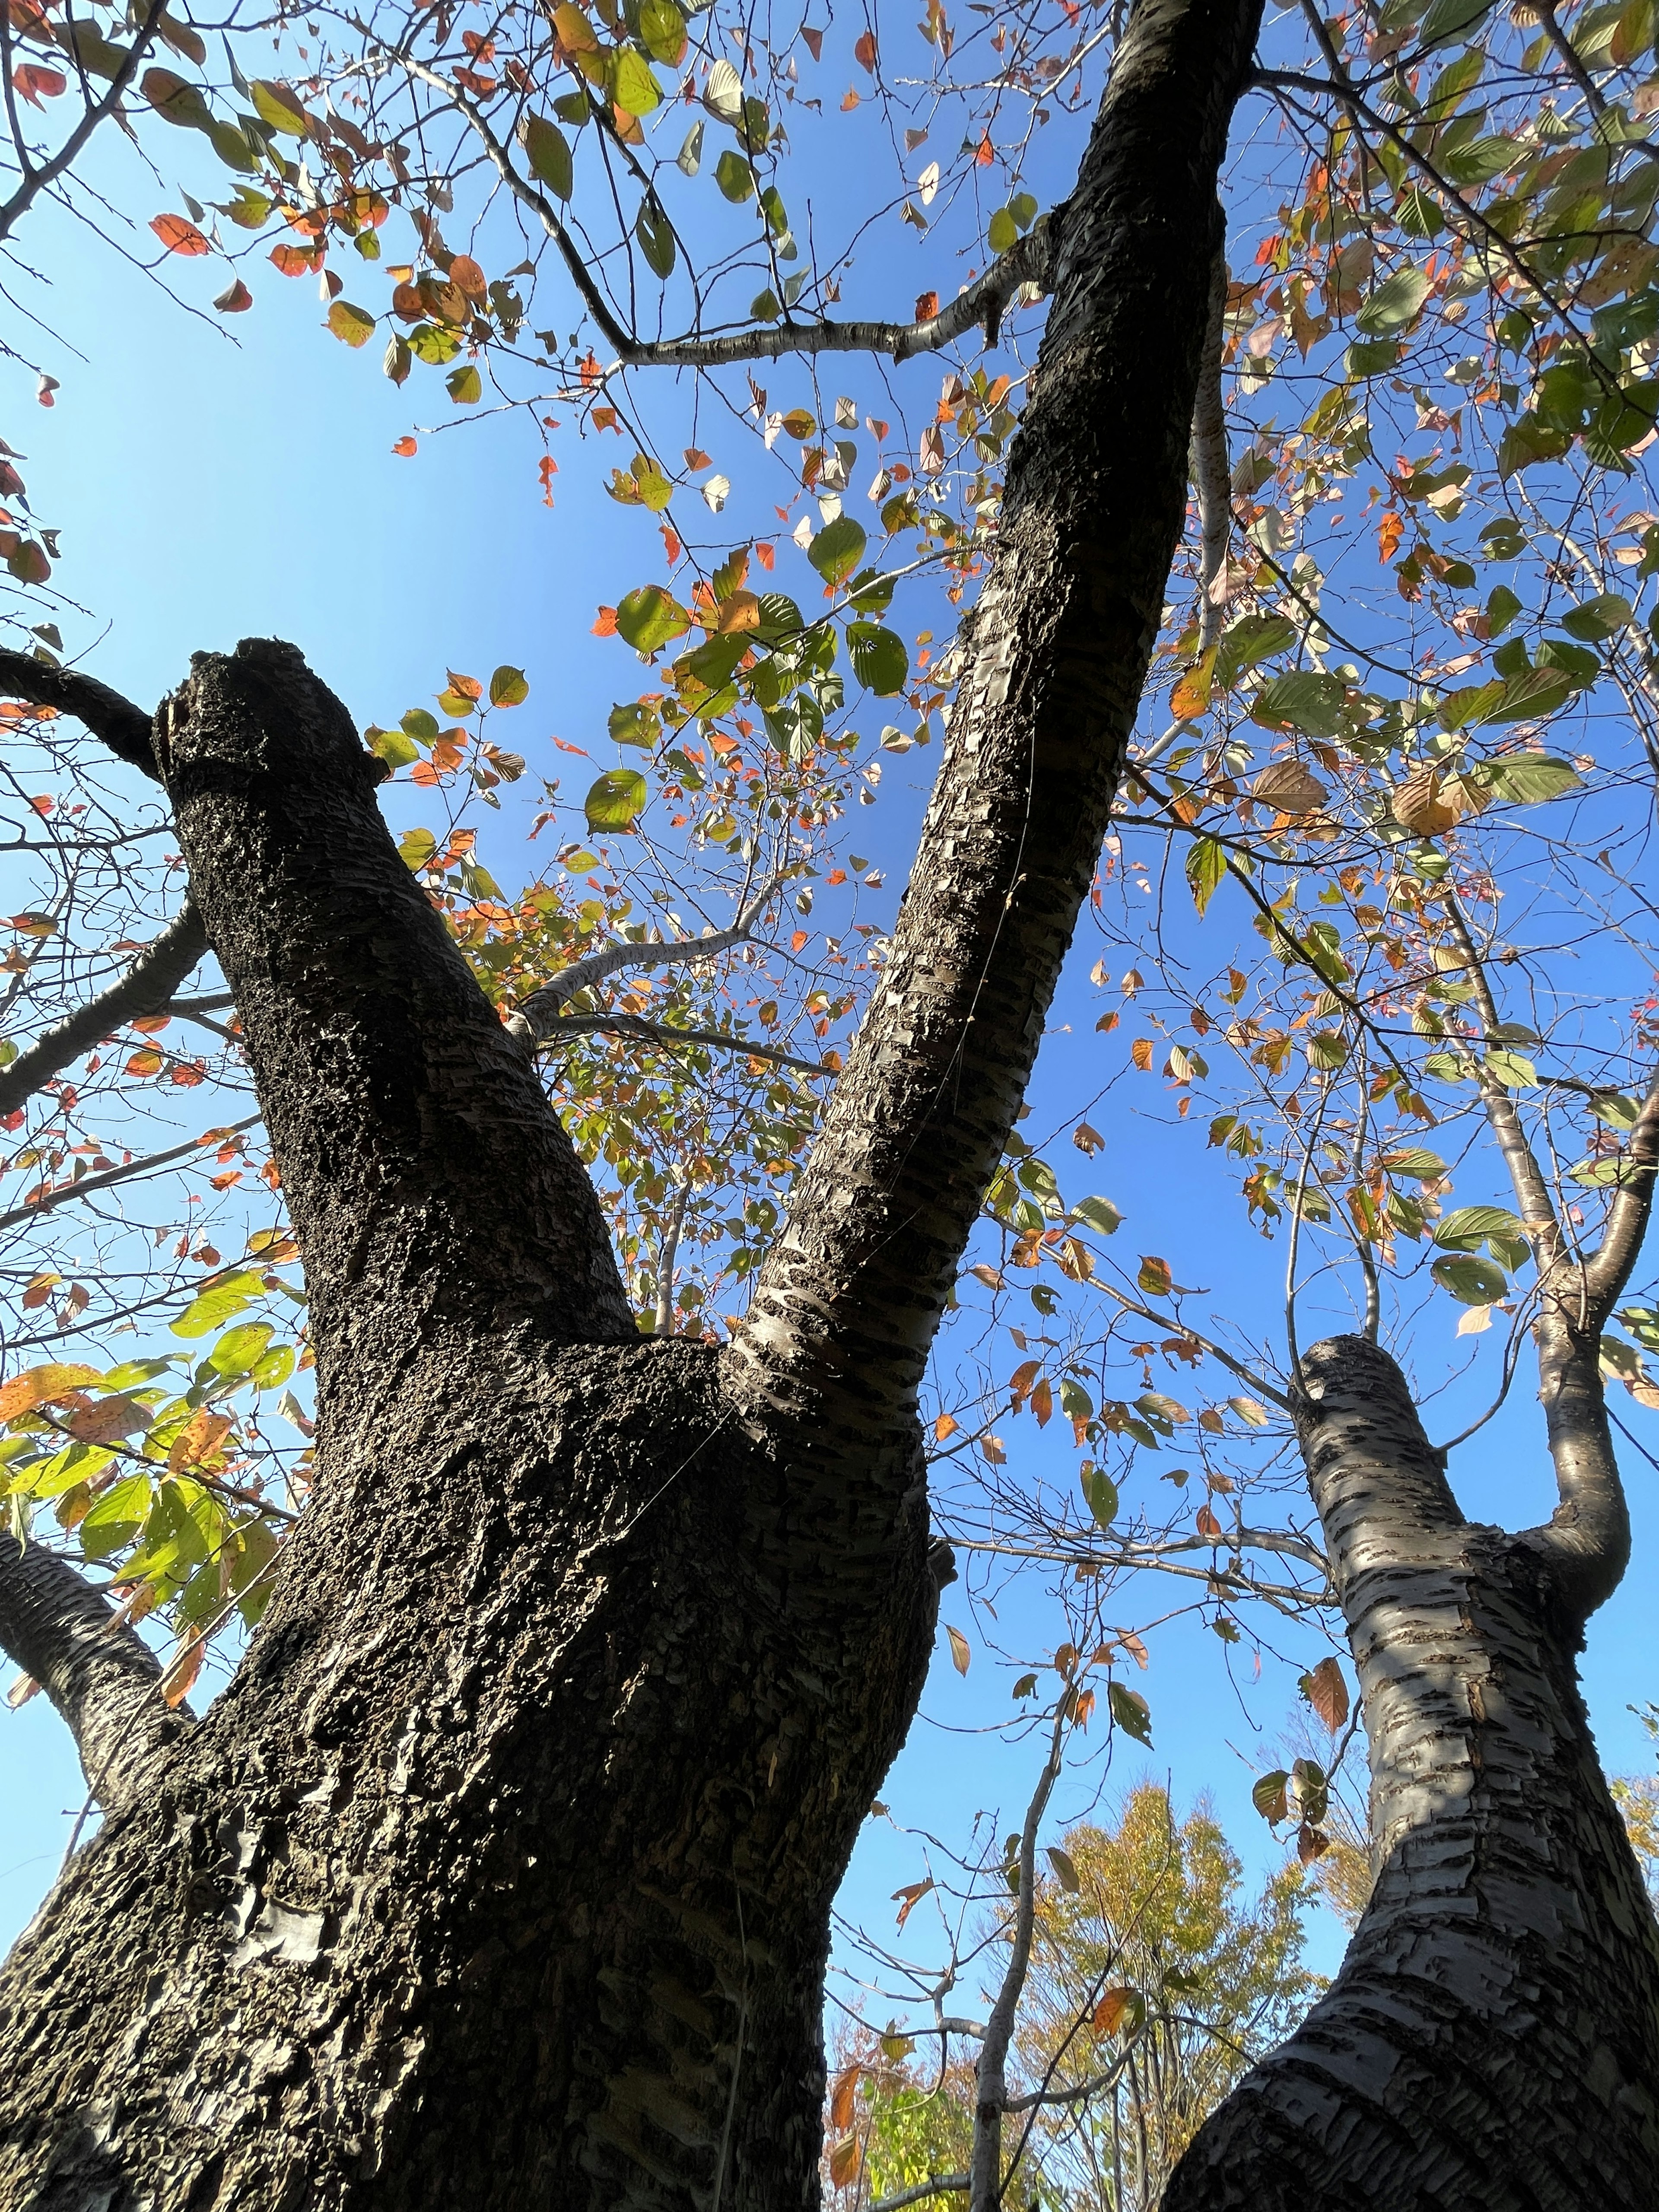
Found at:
<point>846,2161</point>
<point>196,1440</point>
<point>25,1394</point>
<point>960,1653</point>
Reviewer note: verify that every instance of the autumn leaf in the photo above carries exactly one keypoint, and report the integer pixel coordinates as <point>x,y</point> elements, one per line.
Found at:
<point>40,1386</point>
<point>1065,1869</point>
<point>843,2099</point>
<point>909,1897</point>
<point>1114,2006</point>
<point>864,52</point>
<point>846,2161</point>
<point>1327,1692</point>
<point>198,1439</point>
<point>946,1425</point>
<point>1154,1276</point>
<point>960,1652</point>
<point>178,236</point>
<point>234,299</point>
<point>182,1670</point>
<point>1208,1527</point>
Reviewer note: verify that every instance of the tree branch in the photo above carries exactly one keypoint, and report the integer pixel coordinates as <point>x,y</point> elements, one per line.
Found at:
<point>89,1186</point>
<point>145,988</point>
<point>1211,471</point>
<point>635,1025</point>
<point>428,1179</point>
<point>846,1303</point>
<point>103,1679</point>
<point>538,1011</point>
<point>937,2184</point>
<point>36,180</point>
<point>124,728</point>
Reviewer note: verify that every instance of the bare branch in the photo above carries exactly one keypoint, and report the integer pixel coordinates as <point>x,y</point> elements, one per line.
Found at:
<point>124,728</point>
<point>1212,471</point>
<point>145,988</point>
<point>538,1011</point>
<point>937,2184</point>
<point>89,1186</point>
<point>635,1025</point>
<point>1029,262</point>
<point>36,180</point>
<point>103,1679</point>
<point>1607,1269</point>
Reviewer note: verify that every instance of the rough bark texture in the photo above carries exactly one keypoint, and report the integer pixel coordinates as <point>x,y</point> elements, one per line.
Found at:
<point>500,1875</point>
<point>1492,2042</point>
<point>501,1872</point>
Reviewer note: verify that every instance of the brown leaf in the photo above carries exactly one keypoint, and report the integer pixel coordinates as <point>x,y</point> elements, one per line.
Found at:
<point>108,1419</point>
<point>909,1897</point>
<point>1108,2016</point>
<point>1208,1525</point>
<point>1065,1869</point>
<point>182,1670</point>
<point>846,2161</point>
<point>21,1690</point>
<point>197,1441</point>
<point>1420,805</point>
<point>1327,1693</point>
<point>1290,788</point>
<point>843,2100</point>
<point>1312,1843</point>
<point>960,1652</point>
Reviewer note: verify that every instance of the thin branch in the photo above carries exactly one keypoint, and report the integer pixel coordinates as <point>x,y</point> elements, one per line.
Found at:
<point>937,2184</point>
<point>669,1246</point>
<point>1607,1269</point>
<point>124,728</point>
<point>1212,473</point>
<point>89,1186</point>
<point>634,1025</point>
<point>146,989</point>
<point>36,180</point>
<point>102,1677</point>
<point>1181,1328</point>
<point>1030,261</point>
<point>538,1011</point>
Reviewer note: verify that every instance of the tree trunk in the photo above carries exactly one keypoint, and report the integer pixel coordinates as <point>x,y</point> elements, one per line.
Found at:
<point>500,1875</point>
<point>1491,2041</point>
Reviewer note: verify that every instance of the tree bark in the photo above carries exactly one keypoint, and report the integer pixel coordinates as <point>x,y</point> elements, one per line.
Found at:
<point>1491,2041</point>
<point>500,1875</point>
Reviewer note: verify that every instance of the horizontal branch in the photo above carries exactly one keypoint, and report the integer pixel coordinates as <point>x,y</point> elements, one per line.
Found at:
<point>90,1185</point>
<point>103,1679</point>
<point>124,728</point>
<point>1030,261</point>
<point>633,1026</point>
<point>937,2184</point>
<point>146,987</point>
<point>537,1011</point>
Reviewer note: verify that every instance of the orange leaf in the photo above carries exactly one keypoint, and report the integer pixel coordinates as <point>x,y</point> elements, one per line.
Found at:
<point>1042,1402</point>
<point>846,2161</point>
<point>1155,1276</point>
<point>864,52</point>
<point>1389,532</point>
<point>405,446</point>
<point>40,1386</point>
<point>927,306</point>
<point>909,1897</point>
<point>843,2100</point>
<point>295,260</point>
<point>182,1670</point>
<point>200,1435</point>
<point>606,625</point>
<point>179,236</point>
<point>1208,1525</point>
<point>1136,1650</point>
<point>946,1425</point>
<point>466,272</point>
<point>985,152</point>
<point>1141,1052</point>
<point>1108,2016</point>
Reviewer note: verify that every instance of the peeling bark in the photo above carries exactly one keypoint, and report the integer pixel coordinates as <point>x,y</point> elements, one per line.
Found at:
<point>1491,2041</point>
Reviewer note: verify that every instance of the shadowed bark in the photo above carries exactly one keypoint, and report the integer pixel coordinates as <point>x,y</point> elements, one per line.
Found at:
<point>1491,2041</point>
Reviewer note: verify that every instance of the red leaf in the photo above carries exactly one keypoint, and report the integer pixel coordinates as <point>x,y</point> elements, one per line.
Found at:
<point>606,625</point>
<point>985,152</point>
<point>234,299</point>
<point>179,236</point>
<point>295,260</point>
<point>405,446</point>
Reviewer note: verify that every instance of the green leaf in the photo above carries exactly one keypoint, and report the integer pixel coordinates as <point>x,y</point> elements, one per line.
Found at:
<point>1526,442</point>
<point>1307,700</point>
<point>879,659</point>
<point>1526,779</point>
<point>1467,1226</point>
<point>635,724</point>
<point>1396,303</point>
<point>419,725</point>
<point>392,746</point>
<point>1256,638</point>
<point>1447,20</point>
<point>175,100</point>
<point>1268,1795</point>
<point>509,687</point>
<point>649,616</point>
<point>240,1349</point>
<point>1616,1108</point>
<point>836,550</point>
<point>1023,207</point>
<point>1099,1492</point>
<point>1513,1070</point>
<point>353,326</point>
<point>548,152</point>
<point>1472,1282</point>
<point>635,89</point>
<point>215,1304</point>
<point>689,160</point>
<point>1600,618</point>
<point>764,307</point>
<point>734,176</point>
<point>1414,1160</point>
<point>662,29</point>
<point>1206,868</point>
<point>464,385</point>
<point>278,109</point>
<point>1131,1713</point>
<point>616,800</point>
<point>1003,232</point>
<point>1099,1214</point>
<point>415,847</point>
<point>654,489</point>
<point>656,235</point>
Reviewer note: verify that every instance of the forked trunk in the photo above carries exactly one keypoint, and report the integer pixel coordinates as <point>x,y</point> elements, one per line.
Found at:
<point>1491,2041</point>
<point>498,1877</point>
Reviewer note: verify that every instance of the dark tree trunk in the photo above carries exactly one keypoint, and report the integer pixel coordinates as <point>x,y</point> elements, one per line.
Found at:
<point>500,1875</point>
<point>1491,2041</point>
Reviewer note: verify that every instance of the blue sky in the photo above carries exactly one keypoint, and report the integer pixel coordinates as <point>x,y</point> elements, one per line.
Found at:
<point>208,490</point>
